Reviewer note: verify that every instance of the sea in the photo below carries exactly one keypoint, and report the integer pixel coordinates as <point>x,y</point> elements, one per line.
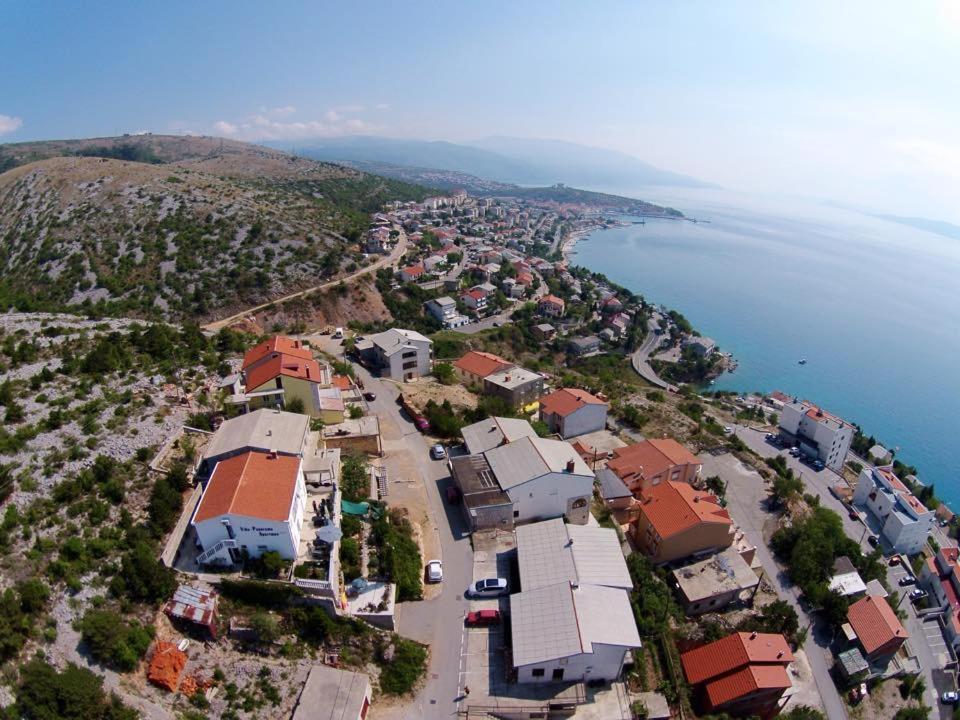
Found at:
<point>872,305</point>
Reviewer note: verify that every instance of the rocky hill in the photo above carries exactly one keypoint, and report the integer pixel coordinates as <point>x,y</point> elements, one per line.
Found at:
<point>175,227</point>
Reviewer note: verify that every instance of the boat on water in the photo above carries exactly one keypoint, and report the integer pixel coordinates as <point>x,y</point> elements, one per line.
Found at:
<point>802,361</point>
<point>639,222</point>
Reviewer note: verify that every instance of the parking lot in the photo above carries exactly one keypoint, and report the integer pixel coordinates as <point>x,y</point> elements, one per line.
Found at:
<point>933,637</point>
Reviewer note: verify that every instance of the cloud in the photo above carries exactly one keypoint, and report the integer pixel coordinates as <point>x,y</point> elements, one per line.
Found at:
<point>270,125</point>
<point>278,112</point>
<point>383,106</point>
<point>9,124</point>
<point>222,127</point>
<point>936,157</point>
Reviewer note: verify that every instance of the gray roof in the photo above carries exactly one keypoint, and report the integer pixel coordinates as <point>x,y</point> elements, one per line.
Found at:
<point>611,486</point>
<point>396,339</point>
<point>605,617</point>
<point>331,694</point>
<point>476,482</point>
<point>488,434</point>
<point>260,430</point>
<point>445,301</point>
<point>551,552</point>
<point>532,457</point>
<point>513,377</point>
<point>718,574</point>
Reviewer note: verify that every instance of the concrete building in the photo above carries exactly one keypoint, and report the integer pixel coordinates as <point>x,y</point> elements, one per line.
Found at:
<point>474,366</point>
<point>650,462</point>
<point>571,411</point>
<point>516,386</point>
<point>573,620</point>
<point>444,309</point>
<point>412,273</point>
<point>817,433</point>
<point>544,332</point>
<point>846,580</point>
<point>677,521</point>
<point>713,583</point>
<point>262,431</point>
<point>399,354</point>
<point>278,372</point>
<point>253,503</point>
<point>940,576</point>
<point>742,674</point>
<point>333,694</point>
<point>701,346</point>
<point>583,346</point>
<point>551,306</point>
<point>493,432</point>
<point>475,300</point>
<point>905,521</point>
<point>879,455</point>
<point>877,627</point>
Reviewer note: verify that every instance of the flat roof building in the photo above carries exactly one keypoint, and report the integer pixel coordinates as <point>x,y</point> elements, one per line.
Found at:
<point>493,432</point>
<point>715,582</point>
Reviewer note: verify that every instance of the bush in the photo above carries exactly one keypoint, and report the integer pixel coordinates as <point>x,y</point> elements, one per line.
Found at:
<point>354,479</point>
<point>266,627</point>
<point>400,555</point>
<point>112,641</point>
<point>269,565</point>
<point>73,694</point>
<point>444,373</point>
<point>350,558</point>
<point>401,674</point>
<point>356,412</point>
<point>258,592</point>
<point>142,576</point>
<point>294,406</point>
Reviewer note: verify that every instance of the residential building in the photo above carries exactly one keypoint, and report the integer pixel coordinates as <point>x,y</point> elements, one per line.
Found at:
<point>333,694</point>
<point>444,309</point>
<point>573,620</point>
<point>475,300</point>
<point>701,346</point>
<point>940,576</point>
<point>281,379</point>
<point>474,366</point>
<point>845,579</point>
<point>572,411</point>
<point>493,432</point>
<point>905,521</point>
<point>742,674</point>
<point>677,521</point>
<point>650,462</point>
<point>331,408</point>
<point>816,432</point>
<point>583,346</point>
<point>412,273</point>
<point>253,503</point>
<point>544,332</point>
<point>877,627</point>
<point>432,262</point>
<point>551,306</point>
<point>399,354</point>
<point>711,584</point>
<point>516,386</point>
<point>613,491</point>
<point>879,455</point>
<point>531,478</point>
<point>263,431</point>
<point>275,347</point>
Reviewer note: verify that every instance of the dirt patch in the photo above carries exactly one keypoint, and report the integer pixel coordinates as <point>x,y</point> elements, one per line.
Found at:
<point>423,391</point>
<point>359,302</point>
<point>882,703</point>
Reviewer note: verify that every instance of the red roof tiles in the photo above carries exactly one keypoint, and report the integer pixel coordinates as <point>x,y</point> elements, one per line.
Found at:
<point>875,624</point>
<point>650,458</point>
<point>277,344</point>
<point>567,400</point>
<point>481,364</point>
<point>672,507</point>
<point>253,484</point>
<point>285,365</point>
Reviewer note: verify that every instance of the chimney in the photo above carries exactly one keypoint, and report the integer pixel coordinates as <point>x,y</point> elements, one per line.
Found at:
<point>779,654</point>
<point>570,465</point>
<point>753,635</point>
<point>272,455</point>
<point>269,431</point>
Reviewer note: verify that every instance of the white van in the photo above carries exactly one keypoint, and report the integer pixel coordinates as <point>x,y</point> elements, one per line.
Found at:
<point>338,333</point>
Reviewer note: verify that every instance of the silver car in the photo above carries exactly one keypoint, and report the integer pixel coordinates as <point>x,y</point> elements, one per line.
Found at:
<point>488,588</point>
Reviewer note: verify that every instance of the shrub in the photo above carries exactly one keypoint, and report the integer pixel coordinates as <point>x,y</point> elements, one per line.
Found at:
<point>112,641</point>
<point>142,576</point>
<point>266,627</point>
<point>400,554</point>
<point>350,558</point>
<point>294,406</point>
<point>73,694</point>
<point>401,674</point>
<point>356,412</point>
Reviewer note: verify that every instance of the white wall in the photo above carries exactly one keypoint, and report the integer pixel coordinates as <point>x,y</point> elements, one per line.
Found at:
<point>604,663</point>
<point>584,419</point>
<point>790,419</point>
<point>423,367</point>
<point>547,496</point>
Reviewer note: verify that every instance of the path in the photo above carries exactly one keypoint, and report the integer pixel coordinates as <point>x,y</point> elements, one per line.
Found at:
<point>394,255</point>
<point>640,359</point>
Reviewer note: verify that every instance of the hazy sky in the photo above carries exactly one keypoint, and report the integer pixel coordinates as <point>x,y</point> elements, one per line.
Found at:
<point>857,101</point>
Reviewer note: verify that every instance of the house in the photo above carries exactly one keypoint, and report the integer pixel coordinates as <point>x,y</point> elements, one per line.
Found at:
<point>493,432</point>
<point>940,576</point>
<point>531,478</point>
<point>905,521</point>
<point>573,620</point>
<point>572,411</point>
<point>816,432</point>
<point>399,354</point>
<point>544,332</point>
<point>676,521</point>
<point>583,346</point>
<point>262,431</point>
<point>524,279</point>
<point>701,346</point>
<point>651,462</point>
<point>331,408</point>
<point>845,579</point>
<point>711,584</point>
<point>611,305</point>
<point>551,306</point>
<point>614,493</point>
<point>274,347</point>
<point>476,300</point>
<point>282,379</point>
<point>431,263</point>
<point>359,435</point>
<point>333,694</point>
<point>742,674</point>
<point>412,273</point>
<point>253,503</point>
<point>515,385</point>
<point>474,366</point>
<point>879,455</point>
<point>877,627</point>
<point>444,309</point>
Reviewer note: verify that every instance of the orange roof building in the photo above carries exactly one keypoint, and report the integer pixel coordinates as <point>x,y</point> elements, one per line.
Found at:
<point>474,366</point>
<point>677,521</point>
<point>166,666</point>
<point>741,674</point>
<point>653,461</point>
<point>571,412</point>
<point>272,347</point>
<point>877,627</point>
<point>252,503</point>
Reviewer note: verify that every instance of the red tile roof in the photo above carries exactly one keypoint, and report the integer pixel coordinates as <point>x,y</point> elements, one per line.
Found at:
<point>746,682</point>
<point>552,300</point>
<point>285,365</point>
<point>733,652</point>
<point>253,484</point>
<point>475,294</point>
<point>413,270</point>
<point>341,381</point>
<point>649,458</point>
<point>672,507</point>
<point>875,623</point>
<point>567,400</point>
<point>277,344</point>
<point>482,364</point>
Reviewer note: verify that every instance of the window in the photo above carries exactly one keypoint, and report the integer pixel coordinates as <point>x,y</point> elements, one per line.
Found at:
<point>558,674</point>
<point>516,513</point>
<point>410,365</point>
<point>537,672</point>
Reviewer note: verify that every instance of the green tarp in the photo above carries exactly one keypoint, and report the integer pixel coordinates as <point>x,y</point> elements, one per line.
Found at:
<point>352,508</point>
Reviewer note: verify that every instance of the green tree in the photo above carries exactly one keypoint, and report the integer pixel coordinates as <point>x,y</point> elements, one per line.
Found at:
<point>266,626</point>
<point>73,694</point>
<point>114,642</point>
<point>444,373</point>
<point>295,405</point>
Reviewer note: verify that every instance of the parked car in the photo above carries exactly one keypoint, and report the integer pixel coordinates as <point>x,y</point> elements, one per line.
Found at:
<point>917,594</point>
<point>434,571</point>
<point>895,560</point>
<point>488,588</point>
<point>907,580</point>
<point>437,452</point>
<point>369,396</point>
<point>873,540</point>
<point>818,465</point>
<point>482,618</point>
<point>453,495</point>
<point>950,697</point>
<point>853,514</point>
<point>795,452</point>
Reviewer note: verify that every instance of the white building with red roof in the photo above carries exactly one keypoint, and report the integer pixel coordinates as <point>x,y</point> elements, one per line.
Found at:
<point>412,273</point>
<point>552,306</point>
<point>571,412</point>
<point>940,577</point>
<point>905,521</point>
<point>817,433</point>
<point>475,299</point>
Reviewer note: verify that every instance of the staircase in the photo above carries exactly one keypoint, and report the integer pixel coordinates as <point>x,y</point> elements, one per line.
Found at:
<point>207,555</point>
<point>381,477</point>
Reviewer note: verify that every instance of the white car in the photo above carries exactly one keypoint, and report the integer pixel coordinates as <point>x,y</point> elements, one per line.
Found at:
<point>491,587</point>
<point>949,698</point>
<point>434,571</point>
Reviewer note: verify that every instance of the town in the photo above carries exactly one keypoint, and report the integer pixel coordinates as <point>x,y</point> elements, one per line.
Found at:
<point>519,498</point>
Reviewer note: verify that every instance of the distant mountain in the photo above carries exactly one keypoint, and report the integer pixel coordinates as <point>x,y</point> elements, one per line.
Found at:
<point>938,227</point>
<point>506,160</point>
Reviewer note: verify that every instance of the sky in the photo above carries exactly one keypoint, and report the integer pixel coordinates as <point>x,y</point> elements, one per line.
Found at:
<point>856,102</point>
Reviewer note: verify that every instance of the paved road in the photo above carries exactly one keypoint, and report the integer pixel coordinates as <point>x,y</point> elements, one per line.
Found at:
<point>394,255</point>
<point>503,317</point>
<point>819,483</point>
<point>640,358</point>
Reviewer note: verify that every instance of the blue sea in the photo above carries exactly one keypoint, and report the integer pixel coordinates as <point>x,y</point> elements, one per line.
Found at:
<point>874,307</point>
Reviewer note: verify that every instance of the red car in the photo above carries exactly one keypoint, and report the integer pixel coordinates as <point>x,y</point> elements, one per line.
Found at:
<point>482,618</point>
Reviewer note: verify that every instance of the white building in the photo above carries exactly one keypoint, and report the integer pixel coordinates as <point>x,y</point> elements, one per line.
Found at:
<point>572,411</point>
<point>264,430</point>
<point>817,433</point>
<point>493,432</point>
<point>399,354</point>
<point>252,504</point>
<point>444,309</point>
<point>573,621</point>
<point>906,522</point>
